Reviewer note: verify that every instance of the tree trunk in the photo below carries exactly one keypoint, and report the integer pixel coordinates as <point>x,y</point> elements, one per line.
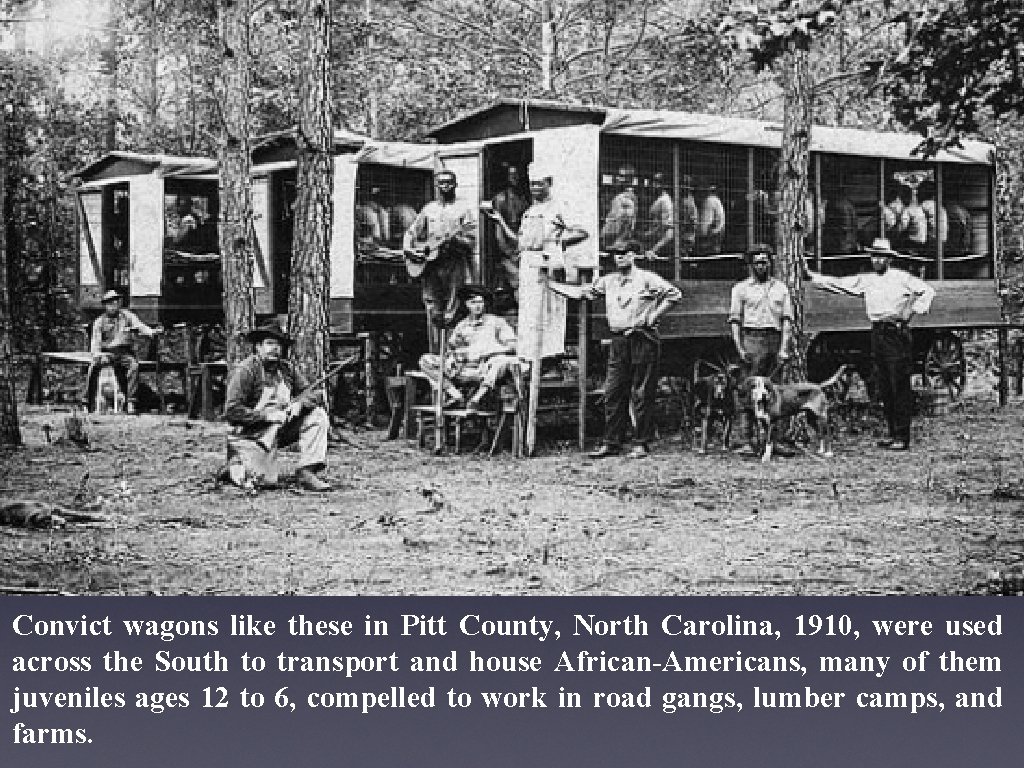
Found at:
<point>309,299</point>
<point>798,111</point>
<point>10,432</point>
<point>236,227</point>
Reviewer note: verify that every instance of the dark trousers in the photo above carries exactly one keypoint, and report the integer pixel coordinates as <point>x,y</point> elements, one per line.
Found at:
<point>126,369</point>
<point>891,350</point>
<point>441,281</point>
<point>763,346</point>
<point>632,375</point>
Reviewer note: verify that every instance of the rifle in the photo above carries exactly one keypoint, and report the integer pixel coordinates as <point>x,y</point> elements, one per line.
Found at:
<point>269,438</point>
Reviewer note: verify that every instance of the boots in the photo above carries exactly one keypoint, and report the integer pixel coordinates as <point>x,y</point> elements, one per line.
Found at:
<point>310,482</point>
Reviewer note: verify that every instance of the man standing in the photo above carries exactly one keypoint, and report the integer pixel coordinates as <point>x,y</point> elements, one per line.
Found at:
<point>111,344</point>
<point>438,246</point>
<point>510,204</point>
<point>635,300</point>
<point>891,299</point>
<point>710,222</point>
<point>620,223</point>
<point>269,405</point>
<point>542,239</point>
<point>481,350</point>
<point>761,315</point>
<point>688,217</point>
<point>761,319</point>
<point>661,223</point>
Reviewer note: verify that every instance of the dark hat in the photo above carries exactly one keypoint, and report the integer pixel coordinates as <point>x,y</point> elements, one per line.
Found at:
<point>271,330</point>
<point>110,296</point>
<point>443,173</point>
<point>686,182</point>
<point>472,290</point>
<point>758,249</point>
<point>880,247</point>
<point>629,246</point>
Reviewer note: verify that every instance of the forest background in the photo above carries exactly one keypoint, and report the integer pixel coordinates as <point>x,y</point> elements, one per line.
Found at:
<point>79,78</point>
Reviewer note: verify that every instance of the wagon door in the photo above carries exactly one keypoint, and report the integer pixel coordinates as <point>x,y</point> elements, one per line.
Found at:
<point>506,185</point>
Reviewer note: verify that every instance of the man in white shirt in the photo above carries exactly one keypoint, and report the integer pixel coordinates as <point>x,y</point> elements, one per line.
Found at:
<point>891,299</point>
<point>635,300</point>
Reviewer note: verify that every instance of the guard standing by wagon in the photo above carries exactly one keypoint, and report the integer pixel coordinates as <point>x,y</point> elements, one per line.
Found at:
<point>635,300</point>
<point>761,321</point>
<point>891,299</point>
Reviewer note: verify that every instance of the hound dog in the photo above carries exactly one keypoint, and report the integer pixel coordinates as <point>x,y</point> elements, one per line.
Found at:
<point>109,398</point>
<point>714,400</point>
<point>773,402</point>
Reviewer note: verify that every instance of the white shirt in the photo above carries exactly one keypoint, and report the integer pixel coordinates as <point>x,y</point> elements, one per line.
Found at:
<point>890,297</point>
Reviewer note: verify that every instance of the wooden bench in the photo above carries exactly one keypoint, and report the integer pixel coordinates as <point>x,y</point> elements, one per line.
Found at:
<point>152,361</point>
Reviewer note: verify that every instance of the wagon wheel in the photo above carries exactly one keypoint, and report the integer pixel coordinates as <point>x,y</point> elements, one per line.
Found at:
<point>945,365</point>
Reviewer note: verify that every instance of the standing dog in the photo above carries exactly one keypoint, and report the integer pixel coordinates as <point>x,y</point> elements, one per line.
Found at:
<point>109,397</point>
<point>773,402</point>
<point>714,400</point>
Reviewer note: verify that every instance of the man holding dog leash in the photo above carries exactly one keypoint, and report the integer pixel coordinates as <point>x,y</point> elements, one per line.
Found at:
<point>891,299</point>
<point>761,318</point>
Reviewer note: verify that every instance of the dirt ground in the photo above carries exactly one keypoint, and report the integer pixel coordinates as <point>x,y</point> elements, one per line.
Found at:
<point>402,521</point>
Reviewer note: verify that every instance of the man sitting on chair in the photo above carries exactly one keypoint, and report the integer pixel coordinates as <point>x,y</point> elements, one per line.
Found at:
<point>111,344</point>
<point>481,350</point>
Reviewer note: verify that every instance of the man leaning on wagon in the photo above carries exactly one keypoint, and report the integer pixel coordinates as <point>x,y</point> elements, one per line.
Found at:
<point>111,344</point>
<point>891,299</point>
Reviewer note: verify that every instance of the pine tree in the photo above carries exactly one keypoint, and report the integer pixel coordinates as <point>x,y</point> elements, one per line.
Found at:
<point>309,300</point>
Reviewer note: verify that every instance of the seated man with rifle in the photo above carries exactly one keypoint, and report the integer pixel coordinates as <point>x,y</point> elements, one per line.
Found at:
<point>270,404</point>
<point>437,249</point>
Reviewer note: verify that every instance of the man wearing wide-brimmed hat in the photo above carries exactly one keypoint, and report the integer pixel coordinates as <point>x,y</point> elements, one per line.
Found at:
<point>111,344</point>
<point>481,350</point>
<point>891,299</point>
<point>269,405</point>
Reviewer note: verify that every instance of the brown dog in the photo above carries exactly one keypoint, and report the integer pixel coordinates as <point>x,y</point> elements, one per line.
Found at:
<point>773,402</point>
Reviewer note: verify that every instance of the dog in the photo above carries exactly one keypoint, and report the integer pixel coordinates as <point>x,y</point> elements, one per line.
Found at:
<point>714,400</point>
<point>773,402</point>
<point>109,398</point>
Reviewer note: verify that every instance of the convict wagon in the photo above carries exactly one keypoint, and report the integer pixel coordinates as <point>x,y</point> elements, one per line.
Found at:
<point>620,170</point>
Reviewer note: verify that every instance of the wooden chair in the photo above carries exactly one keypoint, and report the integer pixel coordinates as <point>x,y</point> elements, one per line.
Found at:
<point>424,415</point>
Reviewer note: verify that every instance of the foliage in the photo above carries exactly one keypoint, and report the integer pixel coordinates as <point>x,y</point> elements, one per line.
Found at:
<point>963,62</point>
<point>768,34</point>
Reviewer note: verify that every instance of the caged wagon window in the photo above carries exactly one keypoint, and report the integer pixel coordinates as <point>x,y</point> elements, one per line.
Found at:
<point>387,201</point>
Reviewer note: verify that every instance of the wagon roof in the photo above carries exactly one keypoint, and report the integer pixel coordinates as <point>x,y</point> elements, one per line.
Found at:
<point>343,139</point>
<point>119,163</point>
<point>507,116</point>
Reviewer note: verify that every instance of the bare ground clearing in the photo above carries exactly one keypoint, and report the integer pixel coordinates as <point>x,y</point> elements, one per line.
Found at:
<point>404,522</point>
